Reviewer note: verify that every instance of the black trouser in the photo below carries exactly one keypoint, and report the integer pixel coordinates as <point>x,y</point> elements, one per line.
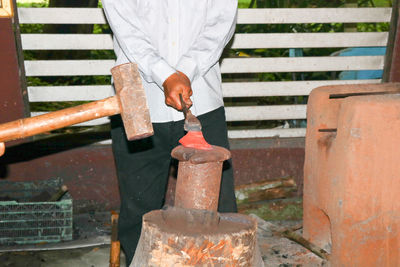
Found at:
<point>143,170</point>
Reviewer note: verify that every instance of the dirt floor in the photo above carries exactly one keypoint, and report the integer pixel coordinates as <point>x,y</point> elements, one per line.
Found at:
<point>92,249</point>
<point>277,250</point>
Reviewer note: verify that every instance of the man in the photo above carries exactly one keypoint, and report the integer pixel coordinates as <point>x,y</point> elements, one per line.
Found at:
<point>177,45</point>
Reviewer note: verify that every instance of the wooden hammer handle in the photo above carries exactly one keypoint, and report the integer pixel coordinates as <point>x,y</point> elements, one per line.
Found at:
<point>58,119</point>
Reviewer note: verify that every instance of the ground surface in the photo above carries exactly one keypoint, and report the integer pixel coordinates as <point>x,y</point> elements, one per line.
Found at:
<point>275,249</point>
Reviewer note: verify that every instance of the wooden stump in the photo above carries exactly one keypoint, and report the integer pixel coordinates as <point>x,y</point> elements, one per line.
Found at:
<point>182,237</point>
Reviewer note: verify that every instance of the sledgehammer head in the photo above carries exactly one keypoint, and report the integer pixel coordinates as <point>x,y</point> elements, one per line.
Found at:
<point>132,99</point>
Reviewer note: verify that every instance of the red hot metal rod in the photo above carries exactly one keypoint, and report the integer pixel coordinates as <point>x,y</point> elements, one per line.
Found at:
<point>23,128</point>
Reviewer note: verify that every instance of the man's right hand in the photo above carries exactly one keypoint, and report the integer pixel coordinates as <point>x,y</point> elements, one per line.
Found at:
<point>177,83</point>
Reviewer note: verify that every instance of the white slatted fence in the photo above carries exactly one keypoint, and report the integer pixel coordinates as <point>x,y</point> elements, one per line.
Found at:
<point>245,16</point>
<point>241,41</point>
<point>87,92</point>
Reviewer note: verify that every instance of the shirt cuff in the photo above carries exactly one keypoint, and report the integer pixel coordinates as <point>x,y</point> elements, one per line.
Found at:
<point>187,66</point>
<point>161,71</point>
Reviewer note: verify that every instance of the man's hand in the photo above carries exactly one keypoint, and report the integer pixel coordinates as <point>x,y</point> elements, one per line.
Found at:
<point>177,83</point>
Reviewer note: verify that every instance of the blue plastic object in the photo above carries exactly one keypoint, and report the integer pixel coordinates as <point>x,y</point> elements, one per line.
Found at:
<point>361,74</point>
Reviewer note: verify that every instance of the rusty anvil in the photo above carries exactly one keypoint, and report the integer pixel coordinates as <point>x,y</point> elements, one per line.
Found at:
<point>129,101</point>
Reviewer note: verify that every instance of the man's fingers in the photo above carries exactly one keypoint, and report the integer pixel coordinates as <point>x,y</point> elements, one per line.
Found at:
<point>174,100</point>
<point>177,102</point>
<point>2,149</point>
<point>173,103</point>
<point>187,100</point>
<point>187,93</point>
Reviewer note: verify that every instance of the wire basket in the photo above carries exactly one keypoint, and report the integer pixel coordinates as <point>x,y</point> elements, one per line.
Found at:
<point>35,222</point>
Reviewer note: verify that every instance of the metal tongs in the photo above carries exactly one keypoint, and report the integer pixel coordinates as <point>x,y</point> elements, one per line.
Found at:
<point>191,122</point>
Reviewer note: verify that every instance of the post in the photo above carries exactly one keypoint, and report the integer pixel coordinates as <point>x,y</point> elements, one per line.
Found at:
<point>350,27</point>
<point>13,93</point>
<point>391,71</point>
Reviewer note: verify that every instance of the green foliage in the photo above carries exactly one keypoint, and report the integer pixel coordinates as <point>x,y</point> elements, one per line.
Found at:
<point>287,28</point>
<point>32,28</point>
<point>33,4</point>
<point>276,210</point>
<point>60,81</point>
<point>244,3</point>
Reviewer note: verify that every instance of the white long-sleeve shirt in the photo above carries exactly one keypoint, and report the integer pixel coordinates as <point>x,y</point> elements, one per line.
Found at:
<point>165,36</point>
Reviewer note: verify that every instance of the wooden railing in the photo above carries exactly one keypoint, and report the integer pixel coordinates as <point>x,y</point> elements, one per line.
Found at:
<point>240,65</point>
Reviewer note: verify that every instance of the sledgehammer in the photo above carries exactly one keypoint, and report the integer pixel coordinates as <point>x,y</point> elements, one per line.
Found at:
<point>129,101</point>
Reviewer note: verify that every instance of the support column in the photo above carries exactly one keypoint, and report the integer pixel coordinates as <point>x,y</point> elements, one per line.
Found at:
<point>13,93</point>
<point>391,72</point>
<point>350,27</point>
